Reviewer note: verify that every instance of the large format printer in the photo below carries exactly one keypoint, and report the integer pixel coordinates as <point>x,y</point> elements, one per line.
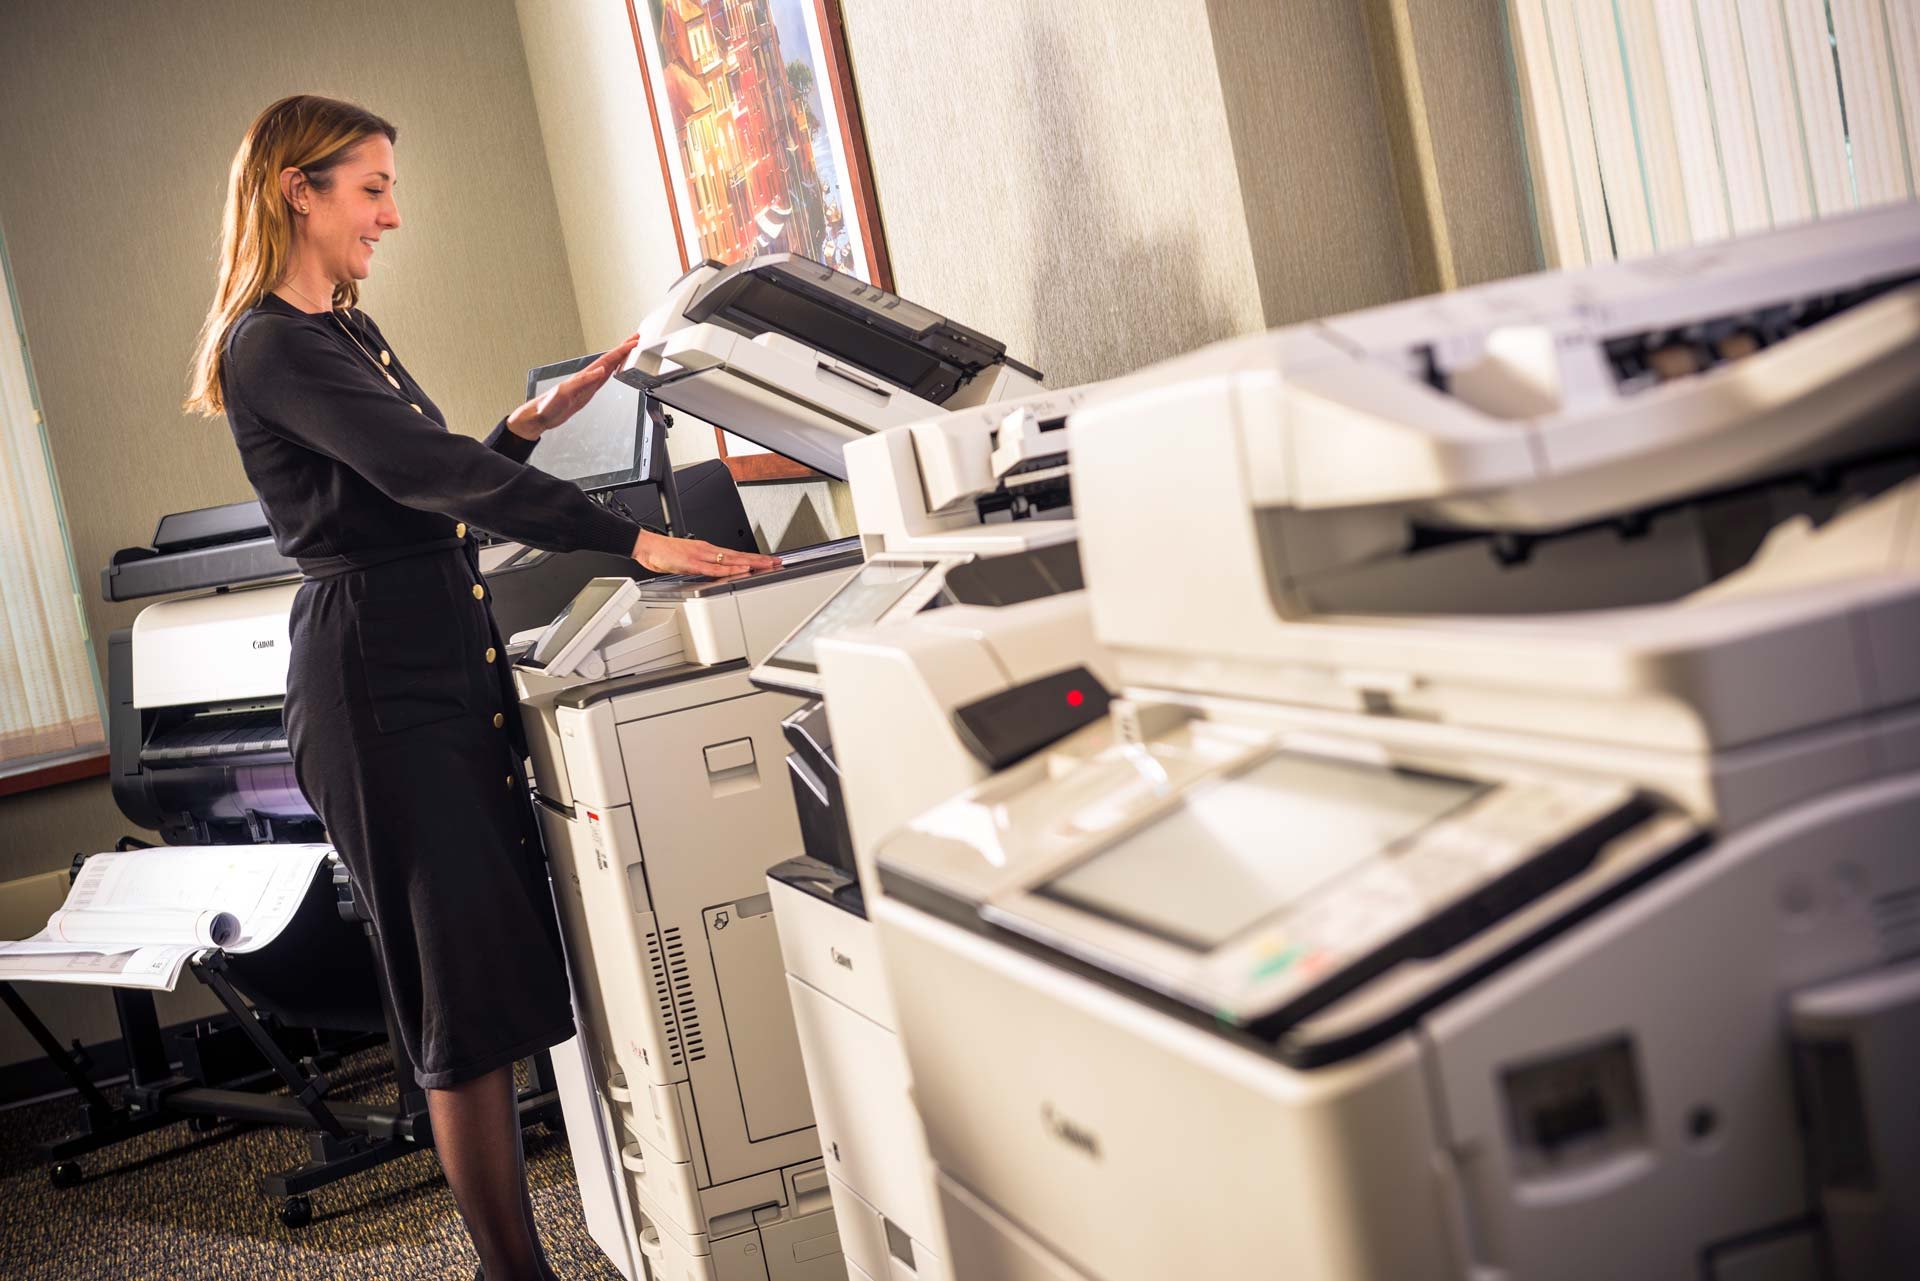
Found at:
<point>198,753</point>
<point>966,521</point>
<point>658,767</point>
<point>1498,861</point>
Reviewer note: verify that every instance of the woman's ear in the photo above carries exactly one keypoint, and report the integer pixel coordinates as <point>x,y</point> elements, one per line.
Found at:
<point>294,188</point>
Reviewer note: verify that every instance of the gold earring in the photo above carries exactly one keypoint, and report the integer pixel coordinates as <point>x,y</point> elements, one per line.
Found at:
<point>303,208</point>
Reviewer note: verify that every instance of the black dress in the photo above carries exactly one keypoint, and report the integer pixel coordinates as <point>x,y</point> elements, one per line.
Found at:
<point>400,711</point>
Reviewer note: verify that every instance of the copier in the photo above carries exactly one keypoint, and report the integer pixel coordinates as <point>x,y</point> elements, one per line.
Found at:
<point>1497,859</point>
<point>658,766</point>
<point>966,521</point>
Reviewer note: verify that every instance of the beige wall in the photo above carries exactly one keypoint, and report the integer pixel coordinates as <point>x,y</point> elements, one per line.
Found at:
<point>117,124</point>
<point>1082,201</point>
<point>619,234</point>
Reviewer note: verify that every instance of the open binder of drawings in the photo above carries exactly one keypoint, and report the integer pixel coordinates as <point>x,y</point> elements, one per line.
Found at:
<point>136,918</point>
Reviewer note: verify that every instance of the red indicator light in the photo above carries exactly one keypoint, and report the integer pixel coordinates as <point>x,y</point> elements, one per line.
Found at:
<point>1075,698</point>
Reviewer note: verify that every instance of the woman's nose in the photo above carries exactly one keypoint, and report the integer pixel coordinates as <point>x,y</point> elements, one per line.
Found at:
<point>392,217</point>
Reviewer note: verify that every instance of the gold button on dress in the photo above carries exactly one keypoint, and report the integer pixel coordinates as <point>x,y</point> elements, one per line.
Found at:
<point>499,720</point>
<point>492,653</point>
<point>460,530</point>
<point>479,592</point>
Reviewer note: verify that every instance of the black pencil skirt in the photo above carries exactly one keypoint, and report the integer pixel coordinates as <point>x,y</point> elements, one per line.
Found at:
<point>406,739</point>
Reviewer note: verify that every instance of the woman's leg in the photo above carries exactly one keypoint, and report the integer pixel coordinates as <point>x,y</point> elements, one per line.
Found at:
<point>476,1132</point>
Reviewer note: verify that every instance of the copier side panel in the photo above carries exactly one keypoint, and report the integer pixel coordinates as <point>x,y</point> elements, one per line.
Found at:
<point>714,811</point>
<point>1676,1025</point>
<point>618,940</point>
<point>1099,1106</point>
<point>593,1137</point>
<point>869,1129</point>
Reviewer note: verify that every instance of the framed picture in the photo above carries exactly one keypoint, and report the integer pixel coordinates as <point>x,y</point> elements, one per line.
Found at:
<point>761,149</point>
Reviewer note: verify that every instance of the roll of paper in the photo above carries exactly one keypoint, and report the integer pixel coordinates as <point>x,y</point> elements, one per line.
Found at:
<point>145,929</point>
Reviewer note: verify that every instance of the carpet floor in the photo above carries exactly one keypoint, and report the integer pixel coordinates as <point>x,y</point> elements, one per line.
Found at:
<point>176,1204</point>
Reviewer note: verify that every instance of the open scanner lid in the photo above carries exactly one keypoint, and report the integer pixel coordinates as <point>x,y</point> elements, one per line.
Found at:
<point>801,359</point>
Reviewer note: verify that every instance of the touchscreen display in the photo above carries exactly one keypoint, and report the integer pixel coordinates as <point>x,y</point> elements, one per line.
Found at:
<point>600,442</point>
<point>590,600</point>
<point>1240,849</point>
<point>867,595</point>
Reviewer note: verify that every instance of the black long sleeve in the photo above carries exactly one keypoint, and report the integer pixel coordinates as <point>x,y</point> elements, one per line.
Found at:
<point>344,462</point>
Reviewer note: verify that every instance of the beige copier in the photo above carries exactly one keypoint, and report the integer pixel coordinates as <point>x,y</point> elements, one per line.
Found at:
<point>658,768</point>
<point>1498,859</point>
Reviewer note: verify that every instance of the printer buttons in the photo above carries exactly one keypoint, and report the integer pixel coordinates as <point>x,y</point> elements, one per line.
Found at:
<point>460,530</point>
<point>499,720</point>
<point>479,592</point>
<point>492,653</point>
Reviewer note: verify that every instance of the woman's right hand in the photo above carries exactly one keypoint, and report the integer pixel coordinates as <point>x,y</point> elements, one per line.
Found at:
<point>665,555</point>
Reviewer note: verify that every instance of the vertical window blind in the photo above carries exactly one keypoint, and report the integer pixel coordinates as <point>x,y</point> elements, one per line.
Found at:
<point>49,699</point>
<point>1655,124</point>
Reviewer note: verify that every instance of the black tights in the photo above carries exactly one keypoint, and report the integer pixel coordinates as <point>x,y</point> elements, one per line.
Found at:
<point>476,1133</point>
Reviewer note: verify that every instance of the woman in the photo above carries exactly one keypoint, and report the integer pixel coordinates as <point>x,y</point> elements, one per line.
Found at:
<point>400,712</point>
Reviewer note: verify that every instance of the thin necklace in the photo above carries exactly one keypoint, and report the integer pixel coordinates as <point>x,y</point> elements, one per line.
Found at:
<point>379,365</point>
<point>303,297</point>
<point>364,352</point>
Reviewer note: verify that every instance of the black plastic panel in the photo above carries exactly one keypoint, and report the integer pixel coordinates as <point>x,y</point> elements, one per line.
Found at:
<point>862,324</point>
<point>1005,728</point>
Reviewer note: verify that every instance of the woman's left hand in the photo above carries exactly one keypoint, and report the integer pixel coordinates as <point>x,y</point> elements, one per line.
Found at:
<point>563,400</point>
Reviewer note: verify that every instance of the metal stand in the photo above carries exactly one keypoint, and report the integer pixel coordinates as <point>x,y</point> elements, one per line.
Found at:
<point>345,1139</point>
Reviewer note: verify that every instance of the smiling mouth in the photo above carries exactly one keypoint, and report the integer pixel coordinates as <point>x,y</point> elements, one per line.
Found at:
<point>368,243</point>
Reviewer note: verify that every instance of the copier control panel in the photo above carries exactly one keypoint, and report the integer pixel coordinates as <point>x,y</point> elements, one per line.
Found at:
<point>1260,882</point>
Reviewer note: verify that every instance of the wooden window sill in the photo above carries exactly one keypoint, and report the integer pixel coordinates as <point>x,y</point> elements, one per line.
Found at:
<point>69,769</point>
<point>755,468</point>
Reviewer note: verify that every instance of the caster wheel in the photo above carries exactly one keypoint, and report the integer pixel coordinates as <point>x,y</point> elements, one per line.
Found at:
<point>203,1124</point>
<point>65,1175</point>
<point>296,1212</point>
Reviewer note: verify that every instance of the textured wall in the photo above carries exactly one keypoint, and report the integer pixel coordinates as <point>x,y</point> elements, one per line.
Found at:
<point>1316,172</point>
<point>1058,175</point>
<point>1445,72</point>
<point>606,169</point>
<point>619,234</point>
<point>117,124</point>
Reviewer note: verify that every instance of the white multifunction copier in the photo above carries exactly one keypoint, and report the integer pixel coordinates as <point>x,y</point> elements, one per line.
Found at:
<point>658,768</point>
<point>966,521</point>
<point>1499,858</point>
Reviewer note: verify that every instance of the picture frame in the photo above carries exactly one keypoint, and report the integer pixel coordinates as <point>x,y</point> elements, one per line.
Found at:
<point>757,125</point>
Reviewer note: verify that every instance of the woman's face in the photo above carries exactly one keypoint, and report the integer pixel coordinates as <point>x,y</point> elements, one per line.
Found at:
<point>344,223</point>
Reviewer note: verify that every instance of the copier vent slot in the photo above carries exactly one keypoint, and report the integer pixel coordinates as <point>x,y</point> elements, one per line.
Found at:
<point>1896,918</point>
<point>673,992</point>
<point>1575,1111</point>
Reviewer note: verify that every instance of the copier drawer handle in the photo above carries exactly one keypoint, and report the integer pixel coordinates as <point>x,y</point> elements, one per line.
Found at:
<point>633,1158</point>
<point>617,1088</point>
<point>651,1247</point>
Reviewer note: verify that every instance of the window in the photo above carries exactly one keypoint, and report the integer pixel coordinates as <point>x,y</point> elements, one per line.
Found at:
<point>1655,124</point>
<point>49,695</point>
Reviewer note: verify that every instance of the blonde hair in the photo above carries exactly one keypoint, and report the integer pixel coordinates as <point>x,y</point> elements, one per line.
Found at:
<point>304,132</point>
